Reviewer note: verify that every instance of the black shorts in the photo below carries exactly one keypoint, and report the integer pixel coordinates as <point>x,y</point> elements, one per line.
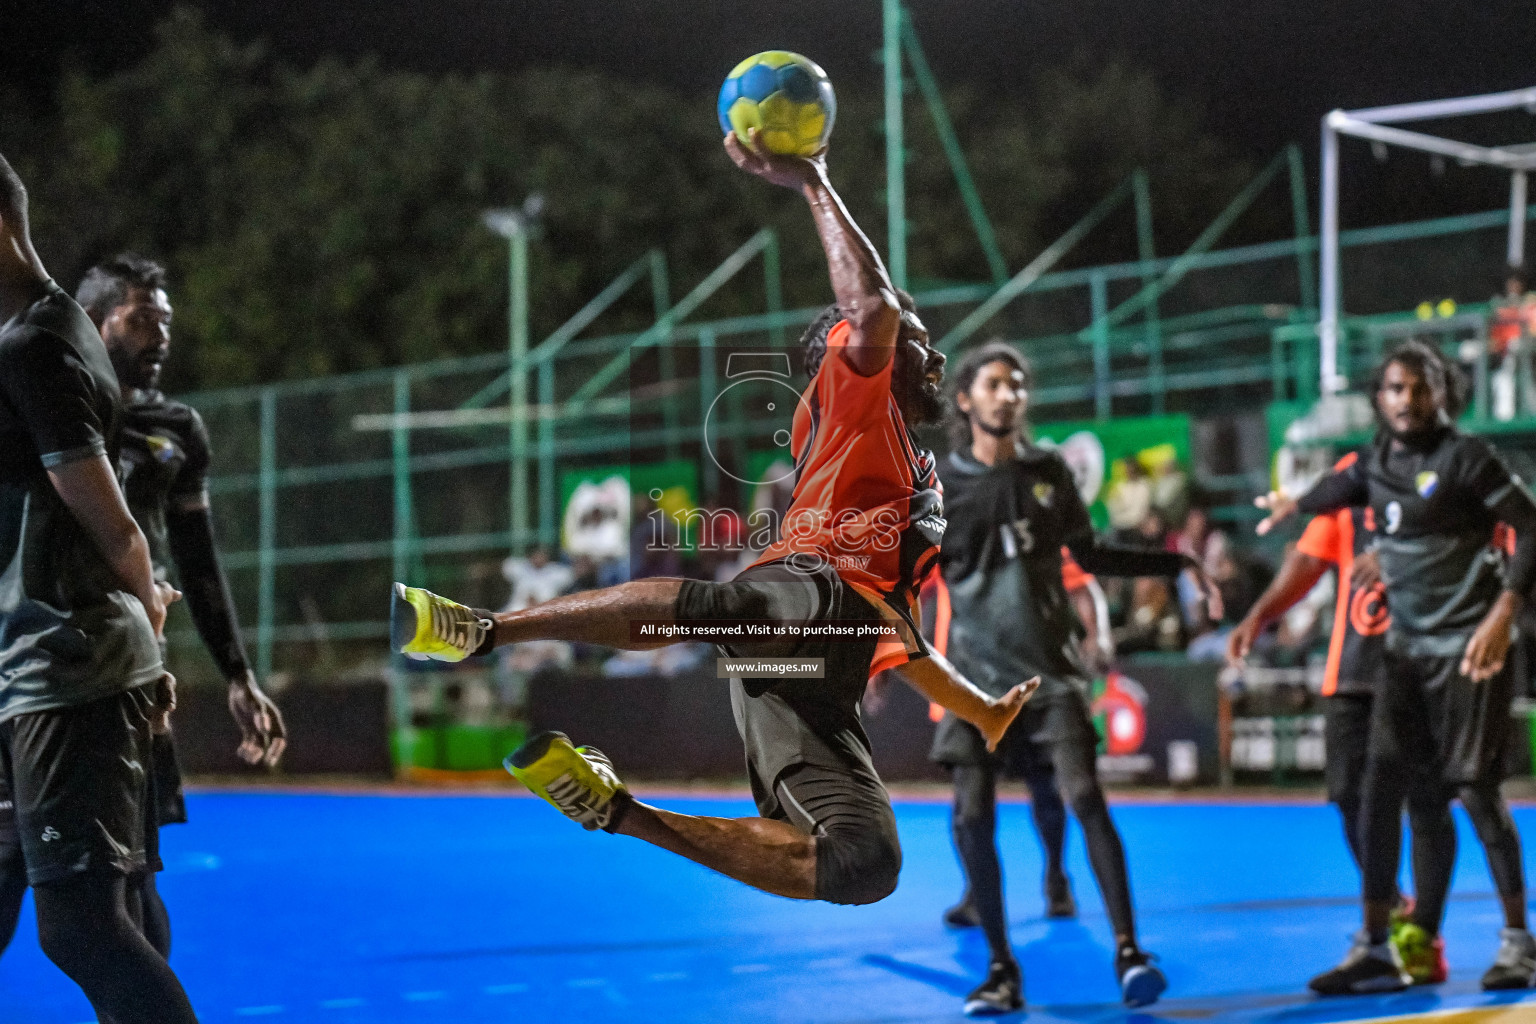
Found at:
<point>78,784</point>
<point>169,803</point>
<point>1429,714</point>
<point>793,721</point>
<point>1054,724</point>
<point>1346,741</point>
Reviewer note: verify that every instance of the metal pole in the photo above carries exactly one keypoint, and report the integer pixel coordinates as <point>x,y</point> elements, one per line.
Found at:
<point>773,288</point>
<point>895,149</point>
<point>1021,282</point>
<point>399,679</point>
<point>1328,260</point>
<point>517,352</point>
<point>1517,204</point>
<point>1147,254</point>
<point>707,395</point>
<point>549,526</point>
<point>1098,293</point>
<point>1301,221</point>
<point>266,586</point>
<point>401,462</point>
<point>929,87</point>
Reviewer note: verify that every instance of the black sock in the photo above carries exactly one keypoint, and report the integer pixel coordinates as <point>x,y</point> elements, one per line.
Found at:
<point>488,644</point>
<point>618,807</point>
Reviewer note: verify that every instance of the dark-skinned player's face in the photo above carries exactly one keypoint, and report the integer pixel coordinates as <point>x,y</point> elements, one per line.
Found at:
<point>137,334</point>
<point>1407,403</point>
<point>997,399</point>
<point>919,373</point>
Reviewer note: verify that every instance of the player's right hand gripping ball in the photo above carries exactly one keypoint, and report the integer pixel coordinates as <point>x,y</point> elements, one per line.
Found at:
<point>787,96</point>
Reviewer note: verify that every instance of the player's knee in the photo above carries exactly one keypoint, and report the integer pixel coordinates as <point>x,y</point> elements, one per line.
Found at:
<point>856,866</point>
<point>974,805</point>
<point>67,931</point>
<point>1083,794</point>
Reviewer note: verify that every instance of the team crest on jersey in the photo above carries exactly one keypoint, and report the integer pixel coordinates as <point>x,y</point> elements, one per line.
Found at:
<point>1044,492</point>
<point>1426,482</point>
<point>162,448</point>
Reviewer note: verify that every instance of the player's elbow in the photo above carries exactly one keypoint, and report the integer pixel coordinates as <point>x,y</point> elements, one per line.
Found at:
<point>876,318</point>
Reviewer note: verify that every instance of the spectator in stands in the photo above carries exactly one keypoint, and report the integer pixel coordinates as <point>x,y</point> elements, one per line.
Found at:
<point>1170,484</point>
<point>1153,531</point>
<point>1509,344</point>
<point>1129,501</point>
<point>534,580</point>
<point>1190,539</point>
<point>1240,577</point>
<point>1152,621</point>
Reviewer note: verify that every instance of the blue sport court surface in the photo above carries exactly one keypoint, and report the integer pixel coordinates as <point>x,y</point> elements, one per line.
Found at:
<point>479,908</point>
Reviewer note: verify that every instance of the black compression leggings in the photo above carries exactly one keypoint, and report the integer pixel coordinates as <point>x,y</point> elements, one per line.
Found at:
<point>154,920</point>
<point>1050,815</point>
<point>13,886</point>
<point>151,916</point>
<point>975,825</point>
<point>1501,842</point>
<point>86,926</point>
<point>1434,846</point>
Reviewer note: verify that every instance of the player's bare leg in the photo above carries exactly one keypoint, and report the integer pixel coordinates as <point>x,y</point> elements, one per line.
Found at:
<point>428,626</point>
<point>769,855</point>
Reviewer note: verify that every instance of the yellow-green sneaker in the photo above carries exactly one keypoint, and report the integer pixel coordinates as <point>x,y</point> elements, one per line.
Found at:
<point>1423,957</point>
<point>580,781</point>
<point>423,625</point>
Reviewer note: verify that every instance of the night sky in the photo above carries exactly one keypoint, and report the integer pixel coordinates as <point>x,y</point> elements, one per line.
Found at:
<point>1264,70</point>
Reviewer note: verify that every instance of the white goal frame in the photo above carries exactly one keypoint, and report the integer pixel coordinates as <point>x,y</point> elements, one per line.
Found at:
<point>1374,124</point>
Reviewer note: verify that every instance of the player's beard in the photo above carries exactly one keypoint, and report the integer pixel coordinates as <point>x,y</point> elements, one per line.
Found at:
<point>1003,428</point>
<point>920,401</point>
<point>1421,434</point>
<point>138,373</point>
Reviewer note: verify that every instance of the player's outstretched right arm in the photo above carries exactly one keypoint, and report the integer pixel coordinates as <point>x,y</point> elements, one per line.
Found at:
<point>864,290</point>
<point>1343,488</point>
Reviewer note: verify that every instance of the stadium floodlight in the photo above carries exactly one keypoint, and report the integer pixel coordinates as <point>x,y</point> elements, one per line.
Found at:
<point>1375,125</point>
<point>517,224</point>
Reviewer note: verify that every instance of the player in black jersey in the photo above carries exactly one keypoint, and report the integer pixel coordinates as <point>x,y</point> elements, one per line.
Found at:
<point>1354,673</point>
<point>1012,507</point>
<point>1437,496</point>
<point>82,684</point>
<point>164,466</point>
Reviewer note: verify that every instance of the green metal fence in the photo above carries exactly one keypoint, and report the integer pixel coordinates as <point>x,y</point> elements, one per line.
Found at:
<point>327,489</point>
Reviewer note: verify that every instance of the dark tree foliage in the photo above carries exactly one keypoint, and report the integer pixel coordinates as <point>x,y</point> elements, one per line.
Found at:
<point>323,219</point>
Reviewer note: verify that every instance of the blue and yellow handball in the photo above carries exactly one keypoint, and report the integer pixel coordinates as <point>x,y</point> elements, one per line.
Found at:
<point>787,97</point>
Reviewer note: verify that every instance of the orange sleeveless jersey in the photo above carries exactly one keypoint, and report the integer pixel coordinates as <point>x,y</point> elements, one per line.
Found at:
<point>866,499</point>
